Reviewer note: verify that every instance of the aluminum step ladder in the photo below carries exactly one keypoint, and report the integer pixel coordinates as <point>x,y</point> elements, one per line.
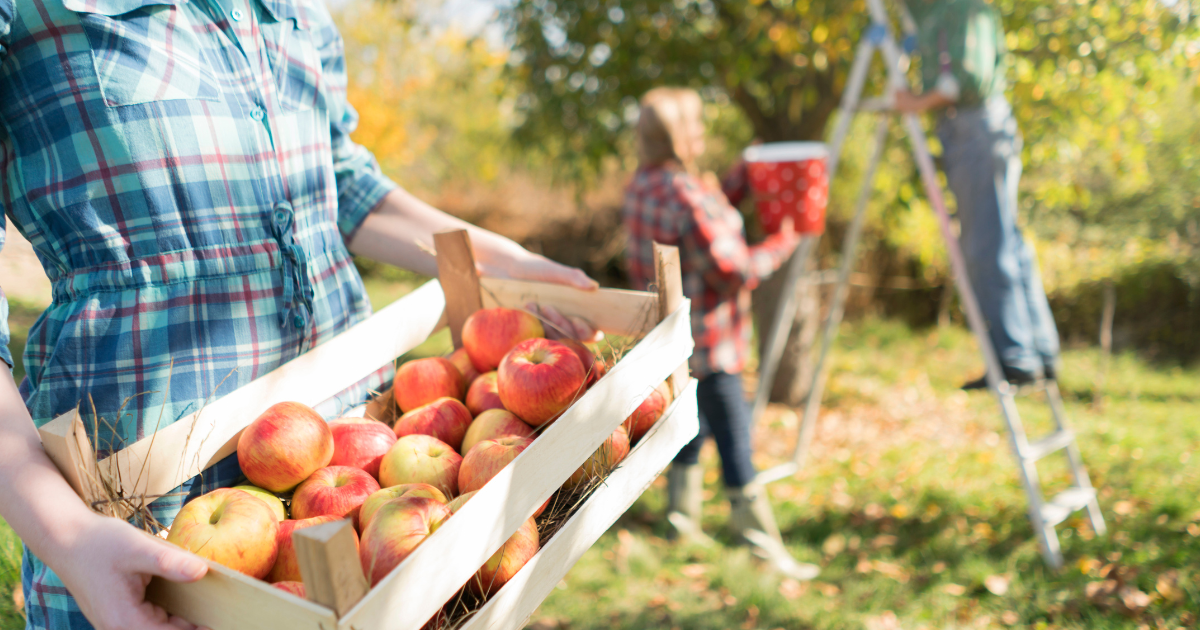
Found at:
<point>1043,514</point>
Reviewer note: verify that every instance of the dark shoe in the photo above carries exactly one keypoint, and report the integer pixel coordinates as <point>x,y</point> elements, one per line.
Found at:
<point>1014,376</point>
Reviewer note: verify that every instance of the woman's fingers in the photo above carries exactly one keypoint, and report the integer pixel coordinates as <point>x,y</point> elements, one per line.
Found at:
<point>166,561</point>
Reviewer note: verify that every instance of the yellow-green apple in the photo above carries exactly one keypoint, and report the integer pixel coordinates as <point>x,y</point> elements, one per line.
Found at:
<point>490,333</point>
<point>397,529</point>
<point>229,527</point>
<point>295,588</point>
<point>483,395</point>
<point>489,457</point>
<point>421,459</point>
<point>593,366</point>
<point>538,379</point>
<point>492,424</point>
<point>647,413</point>
<point>376,500</point>
<point>272,501</point>
<point>423,381</point>
<point>361,443</point>
<point>283,446</point>
<point>333,490</point>
<point>446,419</point>
<point>457,502</point>
<point>603,461</point>
<point>287,567</point>
<point>508,559</point>
<point>462,361</point>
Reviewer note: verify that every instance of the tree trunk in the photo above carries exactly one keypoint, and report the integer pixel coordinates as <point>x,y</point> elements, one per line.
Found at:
<point>796,365</point>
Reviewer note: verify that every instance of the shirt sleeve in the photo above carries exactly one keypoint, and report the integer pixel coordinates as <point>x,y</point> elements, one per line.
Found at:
<point>360,183</point>
<point>730,264</point>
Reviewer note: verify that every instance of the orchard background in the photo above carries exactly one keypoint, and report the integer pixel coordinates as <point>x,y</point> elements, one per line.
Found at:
<point>912,504</point>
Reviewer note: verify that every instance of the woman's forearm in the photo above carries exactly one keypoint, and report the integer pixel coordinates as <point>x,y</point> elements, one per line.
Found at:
<point>35,500</point>
<point>400,232</point>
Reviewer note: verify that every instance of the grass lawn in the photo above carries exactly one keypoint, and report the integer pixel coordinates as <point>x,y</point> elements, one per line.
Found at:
<point>913,508</point>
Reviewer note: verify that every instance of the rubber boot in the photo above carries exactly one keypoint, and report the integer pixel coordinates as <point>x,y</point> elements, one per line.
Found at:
<point>685,500</point>
<point>753,521</point>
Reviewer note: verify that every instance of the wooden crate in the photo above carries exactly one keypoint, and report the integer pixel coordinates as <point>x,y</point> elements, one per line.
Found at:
<point>417,588</point>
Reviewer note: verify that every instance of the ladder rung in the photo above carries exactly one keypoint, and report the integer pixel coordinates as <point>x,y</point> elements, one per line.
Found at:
<point>1049,444</point>
<point>1060,507</point>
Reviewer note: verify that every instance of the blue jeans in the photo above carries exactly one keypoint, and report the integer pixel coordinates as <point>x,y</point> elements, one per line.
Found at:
<point>982,155</point>
<point>724,416</point>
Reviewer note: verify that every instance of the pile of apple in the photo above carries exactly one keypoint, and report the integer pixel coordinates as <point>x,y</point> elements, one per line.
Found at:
<point>463,419</point>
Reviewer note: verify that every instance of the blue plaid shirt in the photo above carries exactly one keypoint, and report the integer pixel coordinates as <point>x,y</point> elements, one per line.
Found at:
<point>184,171</point>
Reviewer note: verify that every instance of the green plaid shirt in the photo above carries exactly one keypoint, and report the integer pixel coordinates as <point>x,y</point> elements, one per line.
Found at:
<point>184,171</point>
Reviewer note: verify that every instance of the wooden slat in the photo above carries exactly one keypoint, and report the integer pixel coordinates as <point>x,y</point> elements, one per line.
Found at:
<point>67,445</point>
<point>329,564</point>
<point>616,311</point>
<point>459,279</point>
<point>668,279</point>
<point>183,449</point>
<point>227,600</point>
<point>511,606</point>
<point>416,589</point>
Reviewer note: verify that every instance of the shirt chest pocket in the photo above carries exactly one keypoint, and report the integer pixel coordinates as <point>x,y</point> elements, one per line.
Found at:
<point>146,50</point>
<point>293,55</point>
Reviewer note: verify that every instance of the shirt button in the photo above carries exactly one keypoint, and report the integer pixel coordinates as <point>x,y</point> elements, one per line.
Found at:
<point>298,321</point>
<point>236,15</point>
<point>257,113</point>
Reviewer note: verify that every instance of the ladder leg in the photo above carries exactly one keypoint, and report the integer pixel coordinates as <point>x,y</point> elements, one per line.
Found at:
<point>820,375</point>
<point>1047,536</point>
<point>781,326</point>
<point>1075,460</point>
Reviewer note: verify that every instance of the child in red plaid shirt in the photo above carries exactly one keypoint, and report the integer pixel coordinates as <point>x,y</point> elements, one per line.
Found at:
<point>669,202</point>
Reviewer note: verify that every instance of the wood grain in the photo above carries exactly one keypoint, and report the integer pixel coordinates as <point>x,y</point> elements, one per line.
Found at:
<point>668,279</point>
<point>329,565</point>
<point>511,606</point>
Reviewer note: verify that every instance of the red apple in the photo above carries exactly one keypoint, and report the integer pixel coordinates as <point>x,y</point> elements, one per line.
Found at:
<point>361,443</point>
<point>287,567</point>
<point>295,588</point>
<point>397,529</point>
<point>283,446</point>
<point>272,501</point>
<point>421,459</point>
<point>423,381</point>
<point>445,419</point>
<point>405,490</point>
<point>490,333</point>
<point>229,527</point>
<point>457,502</point>
<point>647,413</point>
<point>483,395</point>
<point>603,461</point>
<point>492,424</point>
<point>508,559</point>
<point>539,379</point>
<point>593,365</point>
<point>488,458</point>
<point>335,490</point>
<point>462,361</point>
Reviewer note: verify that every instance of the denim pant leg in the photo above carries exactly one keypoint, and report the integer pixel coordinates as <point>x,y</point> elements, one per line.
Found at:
<point>725,416</point>
<point>982,150</point>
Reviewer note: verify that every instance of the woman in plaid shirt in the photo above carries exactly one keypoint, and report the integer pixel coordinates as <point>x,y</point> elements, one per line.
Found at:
<point>670,203</point>
<point>185,172</point>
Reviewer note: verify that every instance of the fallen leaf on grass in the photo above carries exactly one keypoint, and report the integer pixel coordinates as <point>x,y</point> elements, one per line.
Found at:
<point>791,589</point>
<point>19,599</point>
<point>1099,592</point>
<point>1167,585</point>
<point>996,584</point>
<point>694,571</point>
<point>657,601</point>
<point>833,545</point>
<point>954,589</point>
<point>1133,601</point>
<point>1124,508</point>
<point>885,621</point>
<point>751,621</point>
<point>1010,618</point>
<point>826,589</point>
<point>883,540</point>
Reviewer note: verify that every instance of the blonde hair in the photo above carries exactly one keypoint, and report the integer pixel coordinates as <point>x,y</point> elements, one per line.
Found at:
<point>665,123</point>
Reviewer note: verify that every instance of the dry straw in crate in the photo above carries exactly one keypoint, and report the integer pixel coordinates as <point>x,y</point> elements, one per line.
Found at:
<point>416,590</point>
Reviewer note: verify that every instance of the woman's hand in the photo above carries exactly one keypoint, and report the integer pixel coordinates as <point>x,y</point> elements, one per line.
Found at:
<point>499,259</point>
<point>107,567</point>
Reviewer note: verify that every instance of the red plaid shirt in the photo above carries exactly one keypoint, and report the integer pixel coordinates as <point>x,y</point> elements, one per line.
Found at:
<point>668,205</point>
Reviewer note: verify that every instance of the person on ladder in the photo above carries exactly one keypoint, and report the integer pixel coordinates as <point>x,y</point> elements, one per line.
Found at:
<point>963,66</point>
<point>669,202</point>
